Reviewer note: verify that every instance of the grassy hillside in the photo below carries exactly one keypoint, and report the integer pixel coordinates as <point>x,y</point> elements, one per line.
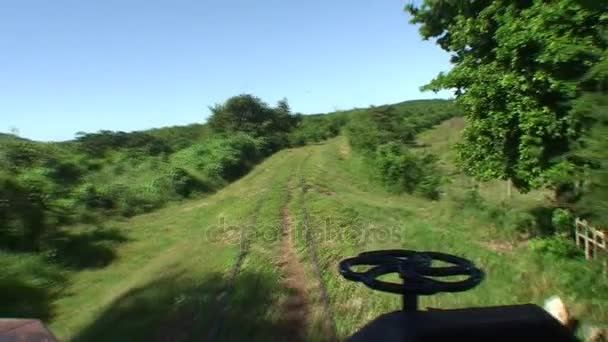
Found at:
<point>441,141</point>
<point>106,174</point>
<point>364,217</point>
<point>217,267</point>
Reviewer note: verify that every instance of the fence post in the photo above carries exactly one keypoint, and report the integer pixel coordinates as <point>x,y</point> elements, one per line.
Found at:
<point>594,239</point>
<point>587,252</point>
<point>577,232</point>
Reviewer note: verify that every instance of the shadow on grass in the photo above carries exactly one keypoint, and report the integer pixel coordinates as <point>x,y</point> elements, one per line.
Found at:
<point>28,287</point>
<point>542,216</point>
<point>30,282</point>
<point>81,250</point>
<point>19,299</point>
<point>170,309</point>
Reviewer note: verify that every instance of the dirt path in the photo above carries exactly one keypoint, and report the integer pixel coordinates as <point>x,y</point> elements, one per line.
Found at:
<point>295,308</point>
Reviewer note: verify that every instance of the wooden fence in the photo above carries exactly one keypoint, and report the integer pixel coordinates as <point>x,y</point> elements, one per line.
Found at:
<point>590,238</point>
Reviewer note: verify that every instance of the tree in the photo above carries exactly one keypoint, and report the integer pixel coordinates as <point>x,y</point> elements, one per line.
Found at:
<point>248,114</point>
<point>98,144</point>
<point>517,67</point>
<point>589,186</point>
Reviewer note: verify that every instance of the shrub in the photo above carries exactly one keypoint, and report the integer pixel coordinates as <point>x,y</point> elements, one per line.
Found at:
<point>555,246</point>
<point>520,222</point>
<point>183,184</point>
<point>22,216</point>
<point>563,221</point>
<point>363,135</point>
<point>64,171</point>
<point>93,198</point>
<point>28,285</point>
<point>382,135</point>
<point>221,158</point>
<point>19,155</point>
<point>36,180</point>
<point>403,171</point>
<point>315,128</point>
<point>471,199</point>
<point>429,186</point>
<point>102,142</point>
<point>250,115</point>
<point>398,169</point>
<point>138,200</point>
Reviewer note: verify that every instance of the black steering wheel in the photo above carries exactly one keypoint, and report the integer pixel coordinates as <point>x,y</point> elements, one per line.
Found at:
<point>416,271</point>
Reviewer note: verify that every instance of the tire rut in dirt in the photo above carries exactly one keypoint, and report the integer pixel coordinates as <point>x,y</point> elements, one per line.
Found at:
<point>295,308</point>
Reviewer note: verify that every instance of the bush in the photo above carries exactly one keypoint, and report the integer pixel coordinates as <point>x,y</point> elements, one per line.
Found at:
<point>555,246</point>
<point>520,222</point>
<point>221,158</point>
<point>363,134</point>
<point>383,134</point>
<point>429,187</point>
<point>398,169</point>
<point>511,223</point>
<point>403,171</point>
<point>100,143</point>
<point>315,128</point>
<point>22,216</point>
<point>250,115</point>
<point>471,199</point>
<point>20,155</point>
<point>28,285</point>
<point>563,221</point>
<point>179,182</point>
<point>139,199</point>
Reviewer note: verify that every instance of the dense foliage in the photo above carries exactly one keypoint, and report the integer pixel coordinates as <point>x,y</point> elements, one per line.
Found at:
<point>98,144</point>
<point>587,186</point>
<point>532,79</point>
<point>384,137</point>
<point>517,66</point>
<point>318,127</point>
<point>44,186</point>
<point>249,115</point>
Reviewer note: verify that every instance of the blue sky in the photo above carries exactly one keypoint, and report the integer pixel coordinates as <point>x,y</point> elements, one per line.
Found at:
<point>85,65</point>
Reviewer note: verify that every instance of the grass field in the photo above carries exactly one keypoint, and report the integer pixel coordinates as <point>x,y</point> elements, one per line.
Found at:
<point>215,268</point>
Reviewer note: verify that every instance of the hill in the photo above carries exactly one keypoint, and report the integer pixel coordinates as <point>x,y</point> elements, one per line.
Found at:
<point>230,265</point>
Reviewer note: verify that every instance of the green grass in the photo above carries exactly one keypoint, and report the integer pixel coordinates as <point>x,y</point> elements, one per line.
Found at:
<point>173,258</point>
<point>364,219</point>
<point>168,272</point>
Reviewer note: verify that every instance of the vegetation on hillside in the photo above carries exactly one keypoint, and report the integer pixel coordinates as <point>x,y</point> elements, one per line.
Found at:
<point>384,137</point>
<point>44,186</point>
<point>172,264</point>
<point>531,109</point>
<point>50,191</point>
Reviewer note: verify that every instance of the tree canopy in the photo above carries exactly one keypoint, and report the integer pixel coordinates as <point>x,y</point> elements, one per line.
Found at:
<point>591,151</point>
<point>517,67</point>
<point>249,114</point>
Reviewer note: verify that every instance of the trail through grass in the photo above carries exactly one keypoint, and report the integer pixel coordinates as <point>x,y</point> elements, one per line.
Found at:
<point>300,212</point>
